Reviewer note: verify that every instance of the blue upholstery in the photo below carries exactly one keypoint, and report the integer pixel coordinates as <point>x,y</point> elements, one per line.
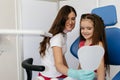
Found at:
<point>109,16</point>
<point>113,42</point>
<point>113,37</point>
<point>117,76</point>
<point>74,47</point>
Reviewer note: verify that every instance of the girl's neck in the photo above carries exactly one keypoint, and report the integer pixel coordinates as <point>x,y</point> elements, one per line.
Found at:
<point>88,42</point>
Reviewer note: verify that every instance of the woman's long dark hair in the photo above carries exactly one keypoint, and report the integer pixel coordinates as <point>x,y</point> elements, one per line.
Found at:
<point>98,34</point>
<point>57,26</point>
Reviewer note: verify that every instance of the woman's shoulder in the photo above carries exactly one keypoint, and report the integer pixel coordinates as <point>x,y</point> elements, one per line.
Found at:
<point>57,40</point>
<point>57,37</point>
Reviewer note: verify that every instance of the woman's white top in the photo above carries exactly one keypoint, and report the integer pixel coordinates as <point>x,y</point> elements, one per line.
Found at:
<point>48,60</point>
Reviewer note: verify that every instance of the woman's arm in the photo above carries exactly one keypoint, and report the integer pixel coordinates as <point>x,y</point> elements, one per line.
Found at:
<point>60,61</point>
<point>62,68</point>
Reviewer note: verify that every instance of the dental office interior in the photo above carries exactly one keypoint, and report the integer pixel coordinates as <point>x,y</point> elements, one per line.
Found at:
<point>20,20</point>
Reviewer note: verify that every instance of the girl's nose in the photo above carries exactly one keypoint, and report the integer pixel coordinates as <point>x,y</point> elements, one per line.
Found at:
<point>85,30</point>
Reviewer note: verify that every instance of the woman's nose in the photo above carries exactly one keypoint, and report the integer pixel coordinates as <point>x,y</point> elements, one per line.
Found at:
<point>70,21</point>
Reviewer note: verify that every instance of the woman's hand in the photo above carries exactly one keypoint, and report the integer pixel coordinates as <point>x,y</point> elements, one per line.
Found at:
<point>81,74</point>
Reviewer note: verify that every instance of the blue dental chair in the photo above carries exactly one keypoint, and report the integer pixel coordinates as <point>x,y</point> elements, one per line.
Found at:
<point>109,16</point>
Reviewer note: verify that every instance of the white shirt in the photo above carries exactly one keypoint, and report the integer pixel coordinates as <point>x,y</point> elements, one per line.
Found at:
<point>48,60</point>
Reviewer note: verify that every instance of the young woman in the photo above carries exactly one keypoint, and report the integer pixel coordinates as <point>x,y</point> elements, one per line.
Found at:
<point>92,32</point>
<point>52,50</point>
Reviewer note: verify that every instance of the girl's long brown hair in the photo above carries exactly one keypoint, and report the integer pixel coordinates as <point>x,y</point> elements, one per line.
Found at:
<point>98,34</point>
<point>57,26</point>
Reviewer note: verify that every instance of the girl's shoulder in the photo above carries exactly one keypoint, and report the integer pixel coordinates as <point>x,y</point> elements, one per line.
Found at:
<point>100,43</point>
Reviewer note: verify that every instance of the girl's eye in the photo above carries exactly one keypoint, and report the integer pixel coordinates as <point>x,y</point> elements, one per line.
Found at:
<point>89,28</point>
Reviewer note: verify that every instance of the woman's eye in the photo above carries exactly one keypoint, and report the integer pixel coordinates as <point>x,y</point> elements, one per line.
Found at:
<point>73,18</point>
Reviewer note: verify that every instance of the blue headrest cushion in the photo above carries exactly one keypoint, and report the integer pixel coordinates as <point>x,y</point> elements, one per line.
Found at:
<point>113,43</point>
<point>107,13</point>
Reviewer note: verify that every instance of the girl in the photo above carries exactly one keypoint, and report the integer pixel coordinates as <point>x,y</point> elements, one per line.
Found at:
<point>92,32</point>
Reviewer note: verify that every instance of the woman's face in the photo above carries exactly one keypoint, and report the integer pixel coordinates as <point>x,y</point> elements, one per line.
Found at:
<point>87,28</point>
<point>70,23</point>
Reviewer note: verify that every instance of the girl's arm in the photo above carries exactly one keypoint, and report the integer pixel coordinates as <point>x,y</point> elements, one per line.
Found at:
<point>101,68</point>
<point>101,71</point>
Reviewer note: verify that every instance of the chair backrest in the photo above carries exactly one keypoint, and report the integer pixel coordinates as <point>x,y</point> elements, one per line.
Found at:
<point>107,13</point>
<point>113,37</point>
<point>27,64</point>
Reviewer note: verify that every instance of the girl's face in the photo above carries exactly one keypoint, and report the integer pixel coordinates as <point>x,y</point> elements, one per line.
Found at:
<point>70,22</point>
<point>87,28</point>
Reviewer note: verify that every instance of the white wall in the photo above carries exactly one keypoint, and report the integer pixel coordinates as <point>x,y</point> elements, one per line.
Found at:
<point>7,14</point>
<point>9,63</point>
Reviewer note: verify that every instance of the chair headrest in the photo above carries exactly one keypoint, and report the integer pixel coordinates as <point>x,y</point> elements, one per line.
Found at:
<point>107,13</point>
